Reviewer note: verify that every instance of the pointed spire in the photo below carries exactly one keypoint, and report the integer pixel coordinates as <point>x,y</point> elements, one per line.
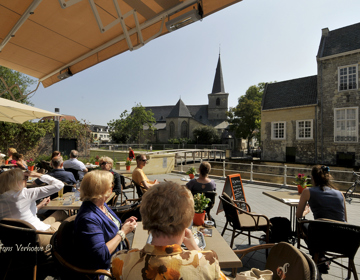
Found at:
<point>180,110</point>
<point>218,85</point>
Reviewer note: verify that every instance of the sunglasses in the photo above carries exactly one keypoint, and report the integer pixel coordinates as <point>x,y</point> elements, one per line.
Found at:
<point>103,163</point>
<point>145,160</point>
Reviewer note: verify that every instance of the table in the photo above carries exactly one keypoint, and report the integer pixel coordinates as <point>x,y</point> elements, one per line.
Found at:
<point>178,181</point>
<point>91,167</point>
<point>227,257</point>
<point>289,198</point>
<point>124,172</point>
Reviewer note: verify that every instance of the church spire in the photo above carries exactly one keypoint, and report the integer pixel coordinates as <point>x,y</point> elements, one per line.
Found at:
<point>218,85</point>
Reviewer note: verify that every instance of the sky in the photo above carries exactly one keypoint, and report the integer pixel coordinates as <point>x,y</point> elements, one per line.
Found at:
<point>259,41</point>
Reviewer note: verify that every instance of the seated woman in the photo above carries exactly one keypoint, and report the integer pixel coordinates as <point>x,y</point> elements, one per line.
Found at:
<point>18,202</point>
<point>203,183</point>
<point>325,202</point>
<point>20,162</point>
<point>106,164</point>
<point>167,210</point>
<point>99,233</point>
<point>11,151</point>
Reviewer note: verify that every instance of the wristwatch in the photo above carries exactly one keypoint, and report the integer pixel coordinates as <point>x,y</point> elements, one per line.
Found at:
<point>122,234</point>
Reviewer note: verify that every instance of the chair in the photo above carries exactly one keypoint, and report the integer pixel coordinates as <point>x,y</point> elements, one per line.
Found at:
<point>139,189</point>
<point>240,220</point>
<point>18,264</point>
<point>74,172</point>
<point>286,261</point>
<point>211,195</point>
<point>126,187</point>
<point>334,239</point>
<point>63,245</point>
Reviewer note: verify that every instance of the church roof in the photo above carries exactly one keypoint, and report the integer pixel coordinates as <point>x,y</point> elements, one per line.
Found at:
<point>180,111</point>
<point>291,93</point>
<point>340,40</point>
<point>218,86</point>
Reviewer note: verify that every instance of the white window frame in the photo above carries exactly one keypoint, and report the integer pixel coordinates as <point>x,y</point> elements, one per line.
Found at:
<point>272,131</point>
<point>298,130</point>
<point>347,77</point>
<point>346,119</point>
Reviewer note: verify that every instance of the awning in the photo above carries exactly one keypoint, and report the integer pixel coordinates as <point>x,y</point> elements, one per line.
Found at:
<point>52,40</point>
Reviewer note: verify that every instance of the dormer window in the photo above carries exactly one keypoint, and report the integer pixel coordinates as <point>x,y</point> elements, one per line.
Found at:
<point>348,77</point>
<point>161,117</point>
<point>200,117</point>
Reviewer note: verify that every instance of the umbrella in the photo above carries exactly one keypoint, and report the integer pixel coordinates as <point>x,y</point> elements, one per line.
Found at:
<point>52,40</point>
<point>11,111</point>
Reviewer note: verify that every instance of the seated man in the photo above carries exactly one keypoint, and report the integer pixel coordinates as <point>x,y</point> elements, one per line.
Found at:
<point>76,164</point>
<point>138,174</point>
<point>59,173</point>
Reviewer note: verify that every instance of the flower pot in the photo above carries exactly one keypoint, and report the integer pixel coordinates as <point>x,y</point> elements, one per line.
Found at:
<point>96,163</point>
<point>191,176</point>
<point>127,167</point>
<point>6,162</point>
<point>199,219</point>
<point>300,189</point>
<point>31,168</point>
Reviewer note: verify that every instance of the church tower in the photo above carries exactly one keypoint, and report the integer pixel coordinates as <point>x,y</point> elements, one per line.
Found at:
<point>218,99</point>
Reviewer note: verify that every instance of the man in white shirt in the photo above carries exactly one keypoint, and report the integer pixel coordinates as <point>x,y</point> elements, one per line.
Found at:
<point>74,163</point>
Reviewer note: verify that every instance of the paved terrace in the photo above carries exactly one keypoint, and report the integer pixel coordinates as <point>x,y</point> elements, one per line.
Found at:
<point>265,205</point>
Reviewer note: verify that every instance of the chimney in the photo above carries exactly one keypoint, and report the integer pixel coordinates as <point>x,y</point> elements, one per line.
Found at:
<point>325,32</point>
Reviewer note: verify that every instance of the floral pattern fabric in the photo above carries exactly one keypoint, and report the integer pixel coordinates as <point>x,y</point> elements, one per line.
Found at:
<point>167,263</point>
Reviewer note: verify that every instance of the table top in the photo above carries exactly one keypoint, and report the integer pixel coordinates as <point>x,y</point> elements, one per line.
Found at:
<point>123,172</point>
<point>227,257</point>
<point>57,203</point>
<point>288,197</point>
<point>179,181</point>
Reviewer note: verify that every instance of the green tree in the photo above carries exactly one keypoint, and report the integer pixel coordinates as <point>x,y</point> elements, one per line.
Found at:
<point>12,78</point>
<point>245,118</point>
<point>206,135</point>
<point>130,126</point>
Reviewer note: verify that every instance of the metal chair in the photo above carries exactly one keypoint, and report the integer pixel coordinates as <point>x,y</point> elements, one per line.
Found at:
<point>17,263</point>
<point>63,246</point>
<point>335,240</point>
<point>139,189</point>
<point>285,261</point>
<point>240,220</point>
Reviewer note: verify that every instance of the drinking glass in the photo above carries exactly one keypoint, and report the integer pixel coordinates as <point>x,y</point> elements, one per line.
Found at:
<point>61,193</point>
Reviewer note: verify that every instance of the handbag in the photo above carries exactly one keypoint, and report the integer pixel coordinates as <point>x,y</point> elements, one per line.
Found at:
<point>255,274</point>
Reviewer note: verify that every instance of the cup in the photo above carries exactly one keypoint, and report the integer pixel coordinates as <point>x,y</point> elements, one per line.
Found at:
<point>61,193</point>
<point>67,200</point>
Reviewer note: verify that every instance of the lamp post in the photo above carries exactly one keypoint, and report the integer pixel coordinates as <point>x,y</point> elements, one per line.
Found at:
<point>57,138</point>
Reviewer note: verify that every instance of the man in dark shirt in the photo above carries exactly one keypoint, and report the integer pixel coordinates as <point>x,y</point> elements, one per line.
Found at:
<point>59,173</point>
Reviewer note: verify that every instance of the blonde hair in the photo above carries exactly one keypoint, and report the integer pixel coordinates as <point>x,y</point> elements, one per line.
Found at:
<point>12,150</point>
<point>11,180</point>
<point>96,185</point>
<point>106,159</point>
<point>167,209</point>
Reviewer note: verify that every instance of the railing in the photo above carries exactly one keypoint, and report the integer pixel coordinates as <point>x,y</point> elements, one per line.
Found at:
<point>283,173</point>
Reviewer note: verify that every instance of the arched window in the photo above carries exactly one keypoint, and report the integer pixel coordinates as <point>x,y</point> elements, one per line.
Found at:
<point>184,130</point>
<point>172,130</point>
<point>218,101</point>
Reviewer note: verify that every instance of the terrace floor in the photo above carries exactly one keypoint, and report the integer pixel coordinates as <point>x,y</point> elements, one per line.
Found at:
<point>271,208</point>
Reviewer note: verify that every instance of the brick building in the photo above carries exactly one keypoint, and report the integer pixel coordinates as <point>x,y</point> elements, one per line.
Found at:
<point>316,119</point>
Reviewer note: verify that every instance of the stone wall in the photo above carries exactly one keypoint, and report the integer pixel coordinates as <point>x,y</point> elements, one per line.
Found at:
<point>330,98</point>
<point>218,112</point>
<point>274,149</point>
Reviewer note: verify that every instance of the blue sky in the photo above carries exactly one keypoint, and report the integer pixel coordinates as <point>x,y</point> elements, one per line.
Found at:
<point>261,41</point>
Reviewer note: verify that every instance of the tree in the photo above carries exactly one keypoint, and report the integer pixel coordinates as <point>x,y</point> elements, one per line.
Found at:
<point>130,126</point>
<point>245,118</point>
<point>206,135</point>
<point>12,78</point>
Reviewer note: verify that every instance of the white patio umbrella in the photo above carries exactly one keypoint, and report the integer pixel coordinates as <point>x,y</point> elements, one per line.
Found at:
<point>11,111</point>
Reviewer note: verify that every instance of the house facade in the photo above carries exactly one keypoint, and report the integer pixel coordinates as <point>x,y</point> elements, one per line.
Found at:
<point>316,119</point>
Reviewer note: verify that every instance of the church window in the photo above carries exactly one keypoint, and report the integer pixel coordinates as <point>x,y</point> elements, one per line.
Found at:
<point>184,129</point>
<point>218,101</point>
<point>172,130</point>
<point>161,117</point>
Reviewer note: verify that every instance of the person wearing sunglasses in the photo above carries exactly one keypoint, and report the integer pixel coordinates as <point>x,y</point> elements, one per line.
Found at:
<point>138,174</point>
<point>106,164</point>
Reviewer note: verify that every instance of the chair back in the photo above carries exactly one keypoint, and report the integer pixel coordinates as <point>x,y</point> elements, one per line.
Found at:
<point>344,238</point>
<point>15,234</point>
<point>138,189</point>
<point>287,262</point>
<point>112,202</point>
<point>231,213</point>
<point>74,172</point>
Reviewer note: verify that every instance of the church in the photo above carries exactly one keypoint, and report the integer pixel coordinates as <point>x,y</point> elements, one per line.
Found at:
<point>179,121</point>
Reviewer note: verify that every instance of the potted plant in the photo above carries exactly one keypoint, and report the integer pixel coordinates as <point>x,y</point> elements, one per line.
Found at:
<point>97,160</point>
<point>200,204</point>
<point>128,163</point>
<point>191,172</point>
<point>302,182</point>
<point>30,162</point>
